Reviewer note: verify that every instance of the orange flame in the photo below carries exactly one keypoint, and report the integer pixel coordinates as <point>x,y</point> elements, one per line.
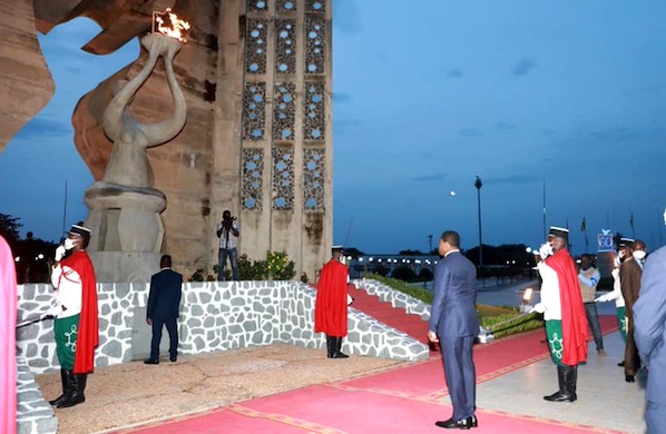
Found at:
<point>168,24</point>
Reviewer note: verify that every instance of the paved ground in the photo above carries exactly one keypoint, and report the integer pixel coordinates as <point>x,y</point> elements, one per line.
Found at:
<point>122,395</point>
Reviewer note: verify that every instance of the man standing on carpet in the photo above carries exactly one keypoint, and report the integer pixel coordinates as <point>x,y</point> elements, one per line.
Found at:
<point>562,306</point>
<point>7,340</point>
<point>649,314</point>
<point>630,282</point>
<point>76,322</point>
<point>454,324</point>
<point>162,309</point>
<point>588,278</point>
<point>331,304</point>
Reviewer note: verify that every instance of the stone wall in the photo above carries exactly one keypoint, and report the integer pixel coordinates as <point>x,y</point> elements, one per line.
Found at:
<point>215,316</point>
<point>33,414</point>
<point>397,299</point>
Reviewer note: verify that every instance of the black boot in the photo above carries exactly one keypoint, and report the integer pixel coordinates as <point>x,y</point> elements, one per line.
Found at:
<point>330,346</point>
<point>572,380</point>
<point>78,384</point>
<point>338,354</point>
<point>66,389</point>
<point>562,394</point>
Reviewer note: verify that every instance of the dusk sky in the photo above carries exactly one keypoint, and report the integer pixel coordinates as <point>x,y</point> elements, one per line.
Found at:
<point>427,94</point>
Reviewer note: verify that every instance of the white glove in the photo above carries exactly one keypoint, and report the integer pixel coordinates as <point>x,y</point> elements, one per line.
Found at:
<point>59,253</point>
<point>545,251</point>
<point>601,298</point>
<point>540,308</point>
<point>615,273</point>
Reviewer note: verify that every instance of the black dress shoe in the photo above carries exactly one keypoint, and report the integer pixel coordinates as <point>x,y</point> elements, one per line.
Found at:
<point>151,362</point>
<point>473,422</point>
<point>629,379</point>
<point>560,397</point>
<point>450,424</point>
<point>621,364</point>
<point>173,359</point>
<point>340,356</point>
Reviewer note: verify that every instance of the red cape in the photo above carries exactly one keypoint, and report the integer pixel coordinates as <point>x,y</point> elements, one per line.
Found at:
<point>574,322</point>
<point>331,305</point>
<point>88,338</point>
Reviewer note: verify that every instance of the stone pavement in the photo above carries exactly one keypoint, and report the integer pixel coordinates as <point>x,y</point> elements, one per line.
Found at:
<point>605,400</point>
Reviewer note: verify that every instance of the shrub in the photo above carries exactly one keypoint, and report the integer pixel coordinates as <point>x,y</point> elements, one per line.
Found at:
<point>279,267</point>
<point>404,273</point>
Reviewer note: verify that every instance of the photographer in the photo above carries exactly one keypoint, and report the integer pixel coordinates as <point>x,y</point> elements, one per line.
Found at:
<point>227,232</point>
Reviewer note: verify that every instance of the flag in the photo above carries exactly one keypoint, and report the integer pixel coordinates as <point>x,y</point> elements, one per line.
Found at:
<point>631,220</point>
<point>583,226</point>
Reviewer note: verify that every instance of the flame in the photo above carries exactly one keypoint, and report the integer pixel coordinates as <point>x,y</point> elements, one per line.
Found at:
<point>168,24</point>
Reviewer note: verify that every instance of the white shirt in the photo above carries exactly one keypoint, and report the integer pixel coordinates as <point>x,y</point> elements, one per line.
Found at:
<point>231,243</point>
<point>69,291</point>
<point>550,292</point>
<point>616,293</point>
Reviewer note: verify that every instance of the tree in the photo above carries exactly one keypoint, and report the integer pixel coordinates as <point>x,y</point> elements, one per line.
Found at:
<point>425,274</point>
<point>404,273</point>
<point>409,252</point>
<point>9,228</point>
<point>353,252</point>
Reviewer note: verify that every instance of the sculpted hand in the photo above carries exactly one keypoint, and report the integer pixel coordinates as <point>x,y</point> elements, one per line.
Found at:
<point>432,337</point>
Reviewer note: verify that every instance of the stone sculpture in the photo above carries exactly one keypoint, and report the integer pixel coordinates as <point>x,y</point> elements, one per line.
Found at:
<point>124,208</point>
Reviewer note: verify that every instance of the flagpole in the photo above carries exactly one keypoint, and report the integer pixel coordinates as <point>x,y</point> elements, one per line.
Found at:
<point>544,209</point>
<point>633,229</point>
<point>64,212</point>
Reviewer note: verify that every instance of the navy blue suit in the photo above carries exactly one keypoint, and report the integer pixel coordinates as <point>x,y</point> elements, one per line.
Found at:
<point>163,304</point>
<point>453,318</point>
<point>650,337</point>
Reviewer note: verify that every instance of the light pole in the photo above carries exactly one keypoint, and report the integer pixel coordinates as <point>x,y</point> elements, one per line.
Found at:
<point>430,244</point>
<point>478,184</point>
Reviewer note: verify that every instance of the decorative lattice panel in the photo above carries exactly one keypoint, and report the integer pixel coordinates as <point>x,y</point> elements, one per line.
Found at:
<point>284,109</point>
<point>286,5</point>
<point>315,5</point>
<point>257,5</point>
<point>314,172</point>
<point>283,178</point>
<point>254,110</point>
<point>315,46</point>
<point>314,111</point>
<point>253,178</point>
<point>255,46</point>
<point>285,46</point>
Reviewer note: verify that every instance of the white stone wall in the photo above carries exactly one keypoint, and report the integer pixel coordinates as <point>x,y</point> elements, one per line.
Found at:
<point>33,414</point>
<point>397,299</point>
<point>215,316</point>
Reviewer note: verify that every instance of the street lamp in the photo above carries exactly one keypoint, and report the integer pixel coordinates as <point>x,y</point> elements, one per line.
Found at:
<point>478,184</point>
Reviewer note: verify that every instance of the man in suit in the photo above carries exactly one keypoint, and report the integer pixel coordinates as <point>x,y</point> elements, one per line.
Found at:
<point>163,302</point>
<point>453,323</point>
<point>630,284</point>
<point>650,336</point>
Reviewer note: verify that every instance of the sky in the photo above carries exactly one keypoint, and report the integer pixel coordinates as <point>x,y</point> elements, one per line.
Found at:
<point>427,95</point>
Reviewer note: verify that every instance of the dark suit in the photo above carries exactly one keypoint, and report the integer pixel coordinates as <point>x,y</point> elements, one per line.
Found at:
<point>630,281</point>
<point>163,303</point>
<point>453,318</point>
<point>650,334</point>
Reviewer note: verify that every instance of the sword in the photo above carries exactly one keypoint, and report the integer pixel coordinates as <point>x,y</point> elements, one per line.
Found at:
<point>486,334</point>
<point>34,318</point>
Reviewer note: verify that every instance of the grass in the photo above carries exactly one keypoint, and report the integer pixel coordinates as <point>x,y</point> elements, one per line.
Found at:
<point>489,316</point>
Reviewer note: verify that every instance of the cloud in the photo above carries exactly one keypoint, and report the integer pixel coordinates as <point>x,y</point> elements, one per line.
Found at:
<point>523,67</point>
<point>340,97</point>
<point>514,179</point>
<point>346,16</point>
<point>505,126</point>
<point>471,132</point>
<point>428,178</point>
<point>455,73</point>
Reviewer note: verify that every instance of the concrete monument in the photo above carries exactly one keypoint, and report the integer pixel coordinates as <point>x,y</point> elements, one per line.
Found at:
<point>127,231</point>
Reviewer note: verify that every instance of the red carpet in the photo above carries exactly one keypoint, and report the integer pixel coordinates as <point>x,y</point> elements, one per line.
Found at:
<point>400,400</point>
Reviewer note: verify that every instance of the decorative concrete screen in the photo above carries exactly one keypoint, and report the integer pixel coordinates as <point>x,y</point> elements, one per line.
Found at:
<point>215,316</point>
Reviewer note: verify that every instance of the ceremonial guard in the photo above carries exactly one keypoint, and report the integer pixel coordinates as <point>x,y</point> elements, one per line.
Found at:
<point>562,306</point>
<point>616,294</point>
<point>331,304</point>
<point>75,311</point>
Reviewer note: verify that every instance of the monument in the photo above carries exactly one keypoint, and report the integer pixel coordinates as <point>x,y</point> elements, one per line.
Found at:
<point>256,78</point>
<point>127,231</point>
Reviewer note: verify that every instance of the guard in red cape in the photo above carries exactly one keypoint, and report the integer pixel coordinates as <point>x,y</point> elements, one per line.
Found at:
<point>562,306</point>
<point>331,305</point>
<point>75,311</point>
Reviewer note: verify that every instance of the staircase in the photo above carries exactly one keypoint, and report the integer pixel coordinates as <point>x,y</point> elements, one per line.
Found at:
<point>398,319</point>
